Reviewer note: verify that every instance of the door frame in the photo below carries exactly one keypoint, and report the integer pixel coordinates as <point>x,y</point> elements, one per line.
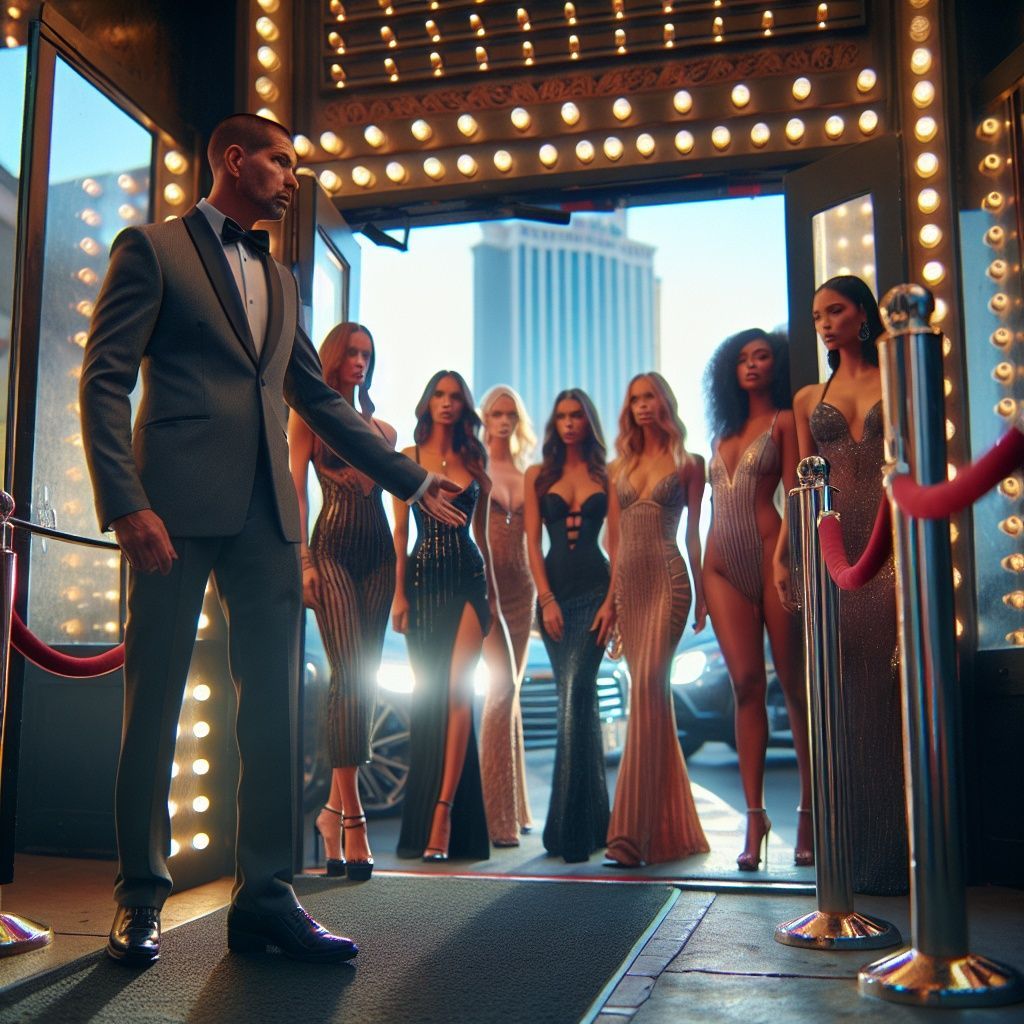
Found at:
<point>873,167</point>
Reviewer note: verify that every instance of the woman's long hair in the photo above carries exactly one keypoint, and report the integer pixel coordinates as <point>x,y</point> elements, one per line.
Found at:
<point>332,355</point>
<point>670,428</point>
<point>726,404</point>
<point>523,439</point>
<point>466,441</point>
<point>594,450</point>
<point>854,290</point>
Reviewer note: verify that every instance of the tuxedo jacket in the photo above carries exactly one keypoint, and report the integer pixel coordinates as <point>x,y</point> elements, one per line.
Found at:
<point>170,309</point>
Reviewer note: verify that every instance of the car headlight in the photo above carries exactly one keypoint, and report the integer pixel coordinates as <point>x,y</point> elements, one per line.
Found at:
<point>688,667</point>
<point>396,677</point>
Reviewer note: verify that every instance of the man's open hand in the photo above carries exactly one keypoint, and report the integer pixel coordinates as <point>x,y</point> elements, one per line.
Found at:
<point>436,501</point>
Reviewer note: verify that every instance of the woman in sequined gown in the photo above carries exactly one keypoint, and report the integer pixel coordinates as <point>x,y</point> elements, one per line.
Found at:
<point>569,493</point>
<point>746,385</point>
<point>348,578</point>
<point>444,603</point>
<point>654,818</point>
<point>509,438</point>
<point>842,421</point>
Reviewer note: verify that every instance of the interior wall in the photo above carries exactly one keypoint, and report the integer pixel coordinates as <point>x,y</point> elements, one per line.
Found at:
<point>159,45</point>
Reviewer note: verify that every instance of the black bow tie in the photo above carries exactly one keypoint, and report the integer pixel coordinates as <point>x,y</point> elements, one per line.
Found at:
<point>232,232</point>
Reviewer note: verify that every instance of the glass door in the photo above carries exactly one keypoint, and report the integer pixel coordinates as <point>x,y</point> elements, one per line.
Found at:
<point>844,215</point>
<point>326,265</point>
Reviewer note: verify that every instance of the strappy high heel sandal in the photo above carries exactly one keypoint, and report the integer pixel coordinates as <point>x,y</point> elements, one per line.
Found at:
<point>438,854</point>
<point>358,870</point>
<point>335,865</point>
<point>804,856</point>
<point>750,861</point>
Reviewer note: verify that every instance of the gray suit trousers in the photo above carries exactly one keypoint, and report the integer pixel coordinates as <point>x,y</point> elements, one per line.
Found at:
<point>258,583</point>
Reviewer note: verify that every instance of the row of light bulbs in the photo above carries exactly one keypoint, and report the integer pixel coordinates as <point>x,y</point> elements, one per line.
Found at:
<point>613,147</point>
<point>994,166</point>
<point>270,75</point>
<point>268,31</point>
<point>188,772</point>
<point>621,109</point>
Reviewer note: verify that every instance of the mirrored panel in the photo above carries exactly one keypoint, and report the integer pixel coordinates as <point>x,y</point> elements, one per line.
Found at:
<point>844,243</point>
<point>992,299</point>
<point>12,101</point>
<point>99,182</point>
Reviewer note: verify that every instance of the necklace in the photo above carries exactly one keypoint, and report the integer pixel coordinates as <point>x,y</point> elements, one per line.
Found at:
<point>444,461</point>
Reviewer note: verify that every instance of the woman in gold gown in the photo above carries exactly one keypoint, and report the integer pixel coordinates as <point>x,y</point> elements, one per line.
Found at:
<point>654,818</point>
<point>509,438</point>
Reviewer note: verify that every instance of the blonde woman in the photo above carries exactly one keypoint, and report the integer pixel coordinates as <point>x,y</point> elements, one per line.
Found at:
<point>509,439</point>
<point>654,818</point>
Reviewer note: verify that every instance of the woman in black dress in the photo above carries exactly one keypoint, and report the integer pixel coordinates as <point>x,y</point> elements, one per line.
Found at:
<point>348,578</point>
<point>569,492</point>
<point>444,604</point>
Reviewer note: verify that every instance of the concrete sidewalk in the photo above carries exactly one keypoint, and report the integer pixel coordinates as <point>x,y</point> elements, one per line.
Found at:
<point>714,960</point>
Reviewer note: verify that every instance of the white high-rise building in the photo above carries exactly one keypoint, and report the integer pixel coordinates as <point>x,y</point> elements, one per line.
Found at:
<point>559,307</point>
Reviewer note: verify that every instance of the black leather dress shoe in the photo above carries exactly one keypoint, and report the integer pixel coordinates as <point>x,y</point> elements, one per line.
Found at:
<point>135,936</point>
<point>294,932</point>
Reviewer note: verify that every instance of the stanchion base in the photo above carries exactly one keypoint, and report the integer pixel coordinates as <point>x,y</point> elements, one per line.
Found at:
<point>824,929</point>
<point>19,935</point>
<point>911,976</point>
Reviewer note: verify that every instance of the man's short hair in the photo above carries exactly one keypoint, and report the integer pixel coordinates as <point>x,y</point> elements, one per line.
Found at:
<point>250,131</point>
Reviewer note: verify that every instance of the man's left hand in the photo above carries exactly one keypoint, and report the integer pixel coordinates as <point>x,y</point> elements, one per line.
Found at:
<point>436,501</point>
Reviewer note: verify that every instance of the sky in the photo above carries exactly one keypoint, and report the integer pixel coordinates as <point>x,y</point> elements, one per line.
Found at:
<point>80,113</point>
<point>721,264</point>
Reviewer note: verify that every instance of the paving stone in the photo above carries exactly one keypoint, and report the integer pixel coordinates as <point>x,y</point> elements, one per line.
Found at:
<point>650,966</point>
<point>699,998</point>
<point>737,936</point>
<point>631,991</point>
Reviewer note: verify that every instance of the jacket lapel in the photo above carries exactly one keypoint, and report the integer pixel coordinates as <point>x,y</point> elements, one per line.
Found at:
<point>275,310</point>
<point>211,254</point>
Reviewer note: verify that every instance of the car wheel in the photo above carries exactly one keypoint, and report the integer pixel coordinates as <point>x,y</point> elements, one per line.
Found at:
<point>382,780</point>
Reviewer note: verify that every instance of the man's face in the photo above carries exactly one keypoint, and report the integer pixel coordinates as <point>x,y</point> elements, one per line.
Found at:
<point>266,178</point>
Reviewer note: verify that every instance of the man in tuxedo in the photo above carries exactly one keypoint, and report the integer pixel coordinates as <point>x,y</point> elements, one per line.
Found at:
<point>200,486</point>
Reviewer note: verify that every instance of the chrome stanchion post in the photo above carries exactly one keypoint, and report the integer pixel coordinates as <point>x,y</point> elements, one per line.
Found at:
<point>835,924</point>
<point>17,934</point>
<point>937,969</point>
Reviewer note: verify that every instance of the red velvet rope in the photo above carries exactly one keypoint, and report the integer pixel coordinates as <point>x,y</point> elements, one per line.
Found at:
<point>32,648</point>
<point>853,577</point>
<point>938,501</point>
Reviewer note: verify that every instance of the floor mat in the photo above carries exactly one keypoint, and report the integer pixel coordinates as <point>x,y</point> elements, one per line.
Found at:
<point>433,950</point>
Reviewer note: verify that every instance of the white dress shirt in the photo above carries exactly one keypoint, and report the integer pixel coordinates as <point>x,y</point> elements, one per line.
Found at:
<point>247,269</point>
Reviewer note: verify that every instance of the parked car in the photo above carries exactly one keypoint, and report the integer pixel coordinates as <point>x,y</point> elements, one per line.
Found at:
<point>703,698</point>
<point>383,779</point>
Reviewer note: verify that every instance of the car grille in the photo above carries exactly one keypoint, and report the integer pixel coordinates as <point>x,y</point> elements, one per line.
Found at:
<point>539,701</point>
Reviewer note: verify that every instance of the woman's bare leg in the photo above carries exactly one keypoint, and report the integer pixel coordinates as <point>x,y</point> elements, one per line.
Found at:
<point>740,631</point>
<point>465,654</point>
<point>784,636</point>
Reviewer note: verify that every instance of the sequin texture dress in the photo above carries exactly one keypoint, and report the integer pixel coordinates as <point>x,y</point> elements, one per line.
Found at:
<point>654,818</point>
<point>501,730</point>
<point>353,554</point>
<point>734,533</point>
<point>444,574</point>
<point>868,655</point>
<point>577,821</point>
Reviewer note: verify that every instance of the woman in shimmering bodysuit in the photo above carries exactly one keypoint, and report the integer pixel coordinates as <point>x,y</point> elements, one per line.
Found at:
<point>509,438</point>
<point>569,493</point>
<point>444,603</point>
<point>348,577</point>
<point>842,421</point>
<point>654,818</point>
<point>747,390</point>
